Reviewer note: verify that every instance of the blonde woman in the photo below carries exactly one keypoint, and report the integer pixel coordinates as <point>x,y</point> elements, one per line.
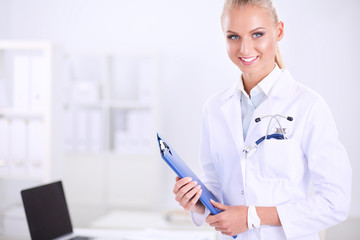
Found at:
<point>264,140</point>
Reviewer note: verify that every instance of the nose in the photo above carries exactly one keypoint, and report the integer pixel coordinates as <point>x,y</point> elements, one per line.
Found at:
<point>245,46</point>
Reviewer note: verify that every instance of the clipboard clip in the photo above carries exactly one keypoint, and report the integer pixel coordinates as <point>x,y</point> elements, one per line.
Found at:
<point>164,146</point>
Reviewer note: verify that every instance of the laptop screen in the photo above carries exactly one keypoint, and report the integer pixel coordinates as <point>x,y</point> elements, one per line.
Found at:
<point>46,211</point>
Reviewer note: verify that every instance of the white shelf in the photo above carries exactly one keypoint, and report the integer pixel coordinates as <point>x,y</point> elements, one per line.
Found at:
<point>114,104</point>
<point>21,177</point>
<point>107,155</point>
<point>20,113</point>
<point>25,45</point>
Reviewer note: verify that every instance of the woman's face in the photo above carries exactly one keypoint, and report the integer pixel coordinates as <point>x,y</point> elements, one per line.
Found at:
<point>251,39</point>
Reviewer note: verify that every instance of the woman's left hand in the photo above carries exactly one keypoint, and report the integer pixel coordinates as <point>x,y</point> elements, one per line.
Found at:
<point>232,221</point>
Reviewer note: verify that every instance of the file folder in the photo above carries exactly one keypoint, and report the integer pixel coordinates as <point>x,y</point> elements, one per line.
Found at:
<point>182,170</point>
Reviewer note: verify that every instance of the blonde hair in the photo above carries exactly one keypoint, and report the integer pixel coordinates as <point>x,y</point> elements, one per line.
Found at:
<point>268,6</point>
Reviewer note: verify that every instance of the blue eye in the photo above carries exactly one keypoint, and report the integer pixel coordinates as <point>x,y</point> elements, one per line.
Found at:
<point>257,35</point>
<point>233,37</point>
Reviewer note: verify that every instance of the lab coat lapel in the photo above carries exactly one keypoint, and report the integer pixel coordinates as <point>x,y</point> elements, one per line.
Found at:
<point>232,113</point>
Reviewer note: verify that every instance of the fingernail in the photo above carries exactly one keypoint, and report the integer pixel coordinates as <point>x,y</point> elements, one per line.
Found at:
<point>189,179</point>
<point>195,182</point>
<point>198,186</point>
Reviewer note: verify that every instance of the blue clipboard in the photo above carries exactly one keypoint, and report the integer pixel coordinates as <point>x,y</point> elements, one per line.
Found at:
<point>182,170</point>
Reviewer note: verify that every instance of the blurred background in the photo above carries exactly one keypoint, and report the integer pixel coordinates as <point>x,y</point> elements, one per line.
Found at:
<point>86,84</point>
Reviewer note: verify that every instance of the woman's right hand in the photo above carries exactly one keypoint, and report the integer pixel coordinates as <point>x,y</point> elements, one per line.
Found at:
<point>188,193</point>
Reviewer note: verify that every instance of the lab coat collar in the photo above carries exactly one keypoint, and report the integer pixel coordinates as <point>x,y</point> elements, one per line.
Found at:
<point>231,91</point>
<point>266,86</point>
<point>281,88</point>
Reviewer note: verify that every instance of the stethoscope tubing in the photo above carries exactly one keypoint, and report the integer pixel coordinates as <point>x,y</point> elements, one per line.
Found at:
<point>278,136</point>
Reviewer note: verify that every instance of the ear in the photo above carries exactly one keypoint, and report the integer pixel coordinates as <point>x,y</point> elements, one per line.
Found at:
<point>280,30</point>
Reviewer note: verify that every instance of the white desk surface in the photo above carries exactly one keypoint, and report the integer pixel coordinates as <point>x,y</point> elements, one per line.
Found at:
<point>147,234</point>
<point>138,225</point>
<point>135,220</point>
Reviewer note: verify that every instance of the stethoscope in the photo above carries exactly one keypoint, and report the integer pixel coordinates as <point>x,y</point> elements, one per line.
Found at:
<point>280,134</point>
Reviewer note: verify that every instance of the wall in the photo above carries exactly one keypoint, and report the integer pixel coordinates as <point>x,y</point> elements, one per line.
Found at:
<point>320,48</point>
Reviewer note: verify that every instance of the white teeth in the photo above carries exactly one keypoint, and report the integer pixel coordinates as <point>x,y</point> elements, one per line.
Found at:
<point>248,59</point>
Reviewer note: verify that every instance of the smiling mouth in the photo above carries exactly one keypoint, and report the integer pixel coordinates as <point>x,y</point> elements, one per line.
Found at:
<point>248,60</point>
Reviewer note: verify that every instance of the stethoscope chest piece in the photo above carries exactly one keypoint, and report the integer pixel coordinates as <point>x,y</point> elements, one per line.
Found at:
<point>249,151</point>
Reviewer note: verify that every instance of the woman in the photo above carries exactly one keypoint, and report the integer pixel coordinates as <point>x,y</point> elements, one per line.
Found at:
<point>262,187</point>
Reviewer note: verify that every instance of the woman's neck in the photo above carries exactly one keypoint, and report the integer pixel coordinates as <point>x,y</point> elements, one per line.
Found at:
<point>250,80</point>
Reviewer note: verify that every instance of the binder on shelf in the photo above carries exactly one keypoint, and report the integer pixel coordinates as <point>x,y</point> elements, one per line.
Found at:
<point>95,124</point>
<point>82,130</point>
<point>4,146</point>
<point>21,80</point>
<point>87,74</point>
<point>133,132</point>
<point>123,78</point>
<point>4,91</point>
<point>146,74</point>
<point>86,92</point>
<point>36,149</point>
<point>18,146</point>
<point>37,80</point>
<point>69,136</point>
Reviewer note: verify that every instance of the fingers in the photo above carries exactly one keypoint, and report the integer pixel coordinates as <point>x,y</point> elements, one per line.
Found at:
<point>216,220</point>
<point>219,205</point>
<point>219,225</point>
<point>187,193</point>
<point>180,183</point>
<point>231,221</point>
<point>190,199</point>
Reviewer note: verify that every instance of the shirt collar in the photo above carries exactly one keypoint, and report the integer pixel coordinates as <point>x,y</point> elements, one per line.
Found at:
<point>264,85</point>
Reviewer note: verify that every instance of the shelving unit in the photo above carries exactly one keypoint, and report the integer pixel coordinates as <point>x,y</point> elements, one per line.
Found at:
<point>123,158</point>
<point>27,86</point>
<point>113,96</point>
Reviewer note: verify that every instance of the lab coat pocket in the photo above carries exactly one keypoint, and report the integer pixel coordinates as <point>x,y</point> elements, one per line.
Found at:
<point>277,158</point>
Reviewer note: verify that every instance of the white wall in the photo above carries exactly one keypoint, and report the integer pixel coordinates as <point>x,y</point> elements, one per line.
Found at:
<point>320,47</point>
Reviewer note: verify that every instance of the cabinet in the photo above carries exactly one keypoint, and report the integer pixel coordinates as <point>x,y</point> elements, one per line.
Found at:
<point>28,147</point>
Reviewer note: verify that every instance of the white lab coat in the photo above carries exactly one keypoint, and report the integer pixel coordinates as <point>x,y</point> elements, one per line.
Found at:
<point>279,172</point>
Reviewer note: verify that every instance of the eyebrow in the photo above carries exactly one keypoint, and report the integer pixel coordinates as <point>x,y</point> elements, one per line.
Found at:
<point>254,30</point>
<point>257,29</point>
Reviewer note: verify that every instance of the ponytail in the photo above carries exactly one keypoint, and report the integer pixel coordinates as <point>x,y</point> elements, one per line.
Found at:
<point>279,59</point>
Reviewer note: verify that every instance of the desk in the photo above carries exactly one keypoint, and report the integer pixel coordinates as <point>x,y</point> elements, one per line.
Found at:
<point>139,220</point>
<point>134,225</point>
<point>147,234</point>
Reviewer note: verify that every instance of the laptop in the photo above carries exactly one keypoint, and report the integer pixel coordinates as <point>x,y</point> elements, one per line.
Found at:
<point>47,213</point>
